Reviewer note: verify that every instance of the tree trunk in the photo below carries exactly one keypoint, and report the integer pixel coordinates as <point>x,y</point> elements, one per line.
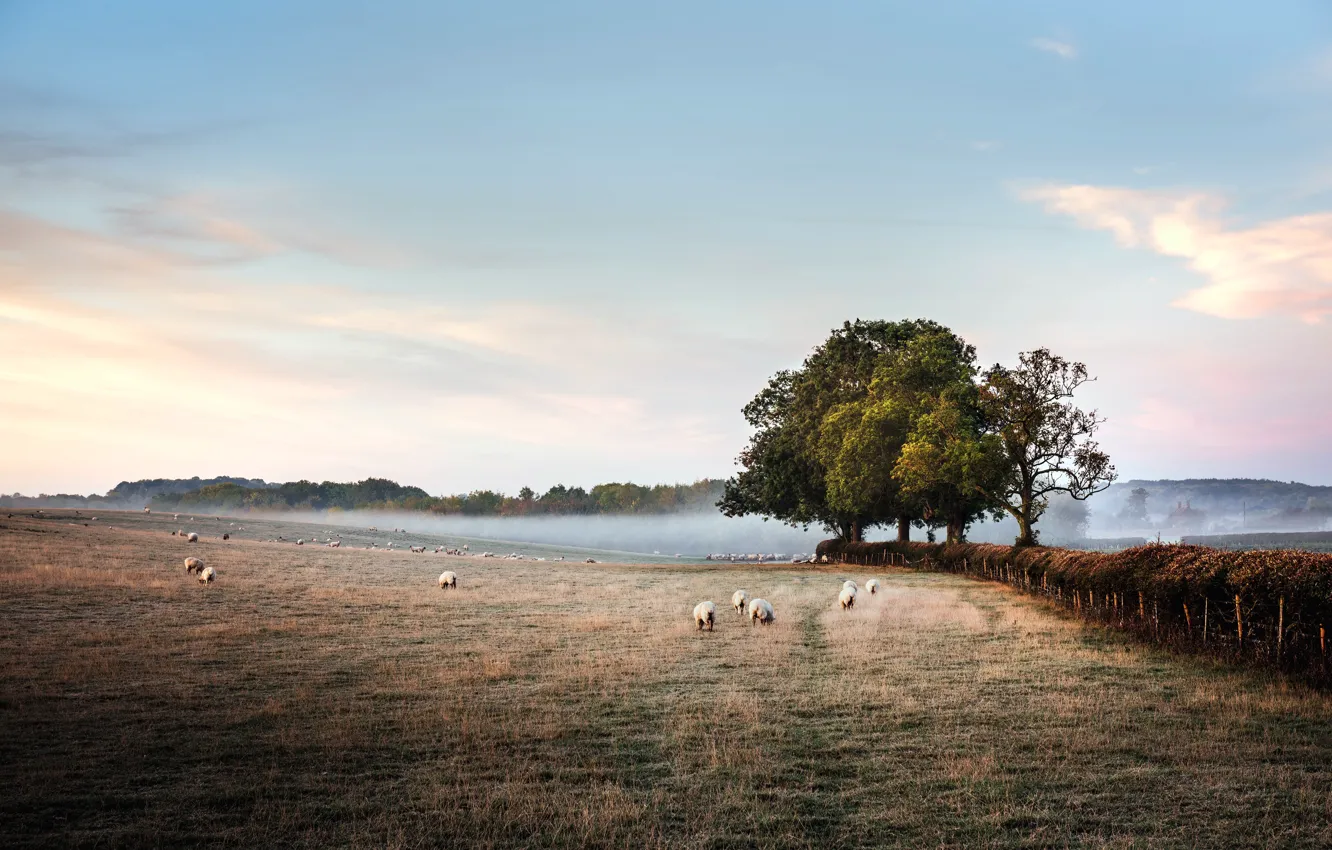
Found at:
<point>957,529</point>
<point>857,535</point>
<point>903,529</point>
<point>1026,535</point>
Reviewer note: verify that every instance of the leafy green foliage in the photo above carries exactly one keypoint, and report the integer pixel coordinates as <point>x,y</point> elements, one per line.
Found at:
<point>1049,443</point>
<point>828,434</point>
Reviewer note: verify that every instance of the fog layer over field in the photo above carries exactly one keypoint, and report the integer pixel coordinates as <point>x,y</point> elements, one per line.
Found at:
<point>691,534</point>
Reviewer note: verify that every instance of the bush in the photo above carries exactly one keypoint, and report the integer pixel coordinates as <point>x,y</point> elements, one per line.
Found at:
<point>1270,605</point>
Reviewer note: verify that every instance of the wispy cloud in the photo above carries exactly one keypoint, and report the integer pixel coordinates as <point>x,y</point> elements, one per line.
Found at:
<point>985,145</point>
<point>1280,267</point>
<point>1062,49</point>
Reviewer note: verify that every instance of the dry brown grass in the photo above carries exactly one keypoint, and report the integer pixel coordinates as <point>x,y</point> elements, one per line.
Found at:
<point>337,697</point>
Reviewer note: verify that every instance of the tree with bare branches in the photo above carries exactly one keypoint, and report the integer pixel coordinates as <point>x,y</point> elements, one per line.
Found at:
<point>1049,443</point>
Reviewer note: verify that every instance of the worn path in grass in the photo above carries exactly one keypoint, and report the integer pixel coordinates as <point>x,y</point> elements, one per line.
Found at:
<point>318,697</point>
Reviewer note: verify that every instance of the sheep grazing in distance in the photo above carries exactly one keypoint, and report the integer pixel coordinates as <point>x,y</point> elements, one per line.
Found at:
<point>847,598</point>
<point>590,561</point>
<point>739,600</point>
<point>300,542</point>
<point>760,611</point>
<point>194,565</point>
<point>193,538</point>
<point>872,586</point>
<point>226,536</point>
<point>448,579</point>
<point>206,575</point>
<point>335,544</point>
<point>704,614</point>
<point>418,549</point>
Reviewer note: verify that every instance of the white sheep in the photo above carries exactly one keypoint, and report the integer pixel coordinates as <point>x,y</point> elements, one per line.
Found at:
<point>335,544</point>
<point>704,614</point>
<point>448,579</point>
<point>872,586</point>
<point>192,538</point>
<point>206,575</point>
<point>847,598</point>
<point>851,584</point>
<point>417,549</point>
<point>739,600</point>
<point>194,565</point>
<point>300,542</point>
<point>760,611</point>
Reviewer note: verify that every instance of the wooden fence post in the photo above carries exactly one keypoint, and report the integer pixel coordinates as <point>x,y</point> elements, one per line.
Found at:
<point>1239,622</point>
<point>1142,615</point>
<point>1281,622</point>
<point>1188,621</point>
<point>1205,607</point>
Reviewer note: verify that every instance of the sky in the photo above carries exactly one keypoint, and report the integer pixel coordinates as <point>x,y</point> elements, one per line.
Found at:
<point>488,245</point>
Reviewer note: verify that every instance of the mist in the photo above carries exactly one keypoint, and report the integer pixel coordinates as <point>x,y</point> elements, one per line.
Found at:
<point>688,534</point>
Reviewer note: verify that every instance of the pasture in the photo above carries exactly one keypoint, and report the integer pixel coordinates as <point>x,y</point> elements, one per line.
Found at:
<point>320,697</point>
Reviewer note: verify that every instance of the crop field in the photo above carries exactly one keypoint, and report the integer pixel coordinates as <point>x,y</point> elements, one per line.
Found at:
<point>316,697</point>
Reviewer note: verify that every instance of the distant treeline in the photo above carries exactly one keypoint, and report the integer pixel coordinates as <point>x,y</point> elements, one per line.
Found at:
<point>384,495</point>
<point>127,494</point>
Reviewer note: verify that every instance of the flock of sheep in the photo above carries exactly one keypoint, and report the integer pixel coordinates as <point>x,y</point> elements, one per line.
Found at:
<point>760,610</point>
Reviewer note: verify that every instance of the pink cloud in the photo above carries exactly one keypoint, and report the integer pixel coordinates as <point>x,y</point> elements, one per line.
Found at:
<point>1281,267</point>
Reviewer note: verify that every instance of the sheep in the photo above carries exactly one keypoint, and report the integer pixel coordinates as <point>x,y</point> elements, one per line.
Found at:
<point>417,549</point>
<point>851,584</point>
<point>590,561</point>
<point>448,578</point>
<point>300,541</point>
<point>704,614</point>
<point>194,565</point>
<point>226,536</point>
<point>872,586</point>
<point>739,600</point>
<point>206,575</point>
<point>760,611</point>
<point>847,597</point>
<point>335,544</point>
<point>192,538</point>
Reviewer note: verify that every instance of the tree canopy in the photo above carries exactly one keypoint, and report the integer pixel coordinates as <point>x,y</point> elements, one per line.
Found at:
<point>890,423</point>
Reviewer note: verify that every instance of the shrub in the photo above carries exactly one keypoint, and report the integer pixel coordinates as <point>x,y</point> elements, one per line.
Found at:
<point>1271,605</point>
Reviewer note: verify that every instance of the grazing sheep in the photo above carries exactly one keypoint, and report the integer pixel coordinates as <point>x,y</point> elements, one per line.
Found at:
<point>851,584</point>
<point>335,544</point>
<point>226,536</point>
<point>206,575</point>
<point>872,586</point>
<point>847,598</point>
<point>760,611</point>
<point>194,565</point>
<point>590,561</point>
<point>705,613</point>
<point>193,538</point>
<point>418,549</point>
<point>300,542</point>
<point>448,579</point>
<point>739,600</point>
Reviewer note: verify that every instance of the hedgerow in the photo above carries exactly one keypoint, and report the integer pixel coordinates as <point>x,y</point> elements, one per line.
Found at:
<point>1273,606</point>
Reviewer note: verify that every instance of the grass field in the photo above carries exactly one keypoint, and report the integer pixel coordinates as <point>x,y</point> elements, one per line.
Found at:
<point>322,697</point>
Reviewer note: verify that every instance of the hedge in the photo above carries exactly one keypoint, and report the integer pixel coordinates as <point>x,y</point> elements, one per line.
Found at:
<point>1274,606</point>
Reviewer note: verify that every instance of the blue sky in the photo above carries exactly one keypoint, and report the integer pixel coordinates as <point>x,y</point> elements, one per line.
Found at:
<point>470,245</point>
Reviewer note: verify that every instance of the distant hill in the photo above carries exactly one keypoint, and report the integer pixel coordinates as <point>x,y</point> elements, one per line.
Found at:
<point>1222,503</point>
<point>129,494</point>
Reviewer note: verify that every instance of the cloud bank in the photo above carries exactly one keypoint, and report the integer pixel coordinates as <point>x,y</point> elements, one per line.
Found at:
<point>1281,267</point>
